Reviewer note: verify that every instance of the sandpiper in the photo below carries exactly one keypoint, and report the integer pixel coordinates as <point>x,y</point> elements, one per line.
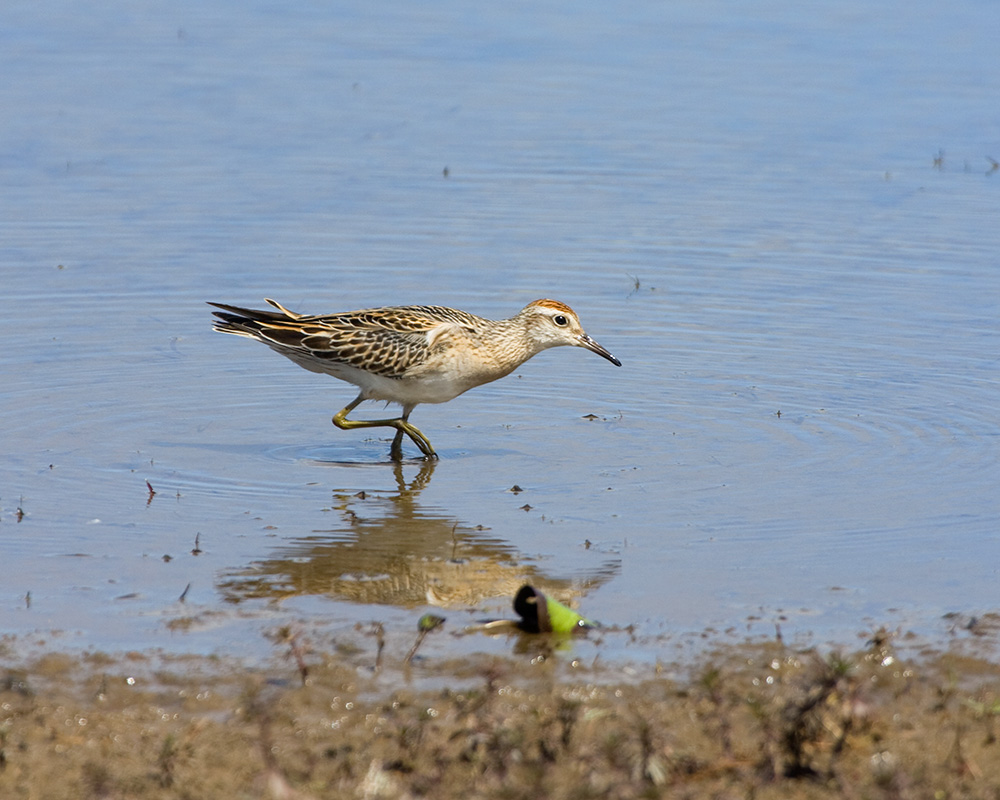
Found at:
<point>409,354</point>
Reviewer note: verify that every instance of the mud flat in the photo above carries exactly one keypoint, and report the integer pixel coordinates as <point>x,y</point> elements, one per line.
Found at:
<point>761,719</point>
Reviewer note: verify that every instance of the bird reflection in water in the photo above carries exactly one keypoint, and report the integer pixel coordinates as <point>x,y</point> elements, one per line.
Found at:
<point>389,549</point>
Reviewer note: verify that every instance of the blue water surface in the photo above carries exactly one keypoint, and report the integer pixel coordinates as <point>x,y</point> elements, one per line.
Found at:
<point>781,218</point>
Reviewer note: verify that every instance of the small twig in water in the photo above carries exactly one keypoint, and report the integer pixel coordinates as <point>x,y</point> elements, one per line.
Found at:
<point>427,623</point>
<point>298,652</point>
<point>379,630</point>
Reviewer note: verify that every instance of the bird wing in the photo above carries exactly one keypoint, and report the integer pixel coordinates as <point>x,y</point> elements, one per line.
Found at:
<point>383,341</point>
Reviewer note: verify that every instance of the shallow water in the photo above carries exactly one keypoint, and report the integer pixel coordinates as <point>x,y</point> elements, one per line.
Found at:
<point>744,207</point>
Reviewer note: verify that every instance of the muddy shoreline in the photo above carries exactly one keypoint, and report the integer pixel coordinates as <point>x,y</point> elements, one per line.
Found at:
<point>758,719</point>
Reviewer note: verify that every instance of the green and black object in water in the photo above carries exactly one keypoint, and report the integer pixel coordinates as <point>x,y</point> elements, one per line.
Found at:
<point>541,614</point>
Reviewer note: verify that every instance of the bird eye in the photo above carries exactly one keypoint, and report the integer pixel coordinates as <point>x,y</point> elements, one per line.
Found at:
<point>560,320</point>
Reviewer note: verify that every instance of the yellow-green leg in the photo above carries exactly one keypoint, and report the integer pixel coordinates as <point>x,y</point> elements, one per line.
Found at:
<point>400,424</point>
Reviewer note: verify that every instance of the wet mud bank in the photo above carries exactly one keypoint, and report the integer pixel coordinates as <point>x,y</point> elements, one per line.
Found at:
<point>744,720</point>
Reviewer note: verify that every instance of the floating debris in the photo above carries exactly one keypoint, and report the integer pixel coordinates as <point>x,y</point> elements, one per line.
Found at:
<point>541,614</point>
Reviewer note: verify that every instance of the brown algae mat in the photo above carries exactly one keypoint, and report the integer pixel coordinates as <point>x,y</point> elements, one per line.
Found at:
<point>760,720</point>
